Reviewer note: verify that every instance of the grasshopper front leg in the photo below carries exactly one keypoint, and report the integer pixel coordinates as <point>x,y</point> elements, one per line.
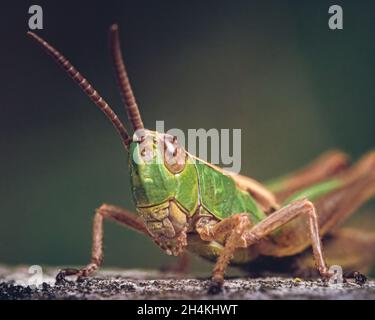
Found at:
<point>110,212</point>
<point>239,233</point>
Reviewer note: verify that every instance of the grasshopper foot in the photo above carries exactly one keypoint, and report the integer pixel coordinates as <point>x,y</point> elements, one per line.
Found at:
<point>80,273</point>
<point>65,273</point>
<point>358,277</point>
<point>215,287</point>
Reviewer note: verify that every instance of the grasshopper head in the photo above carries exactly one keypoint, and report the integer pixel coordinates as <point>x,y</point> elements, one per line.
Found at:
<point>158,165</point>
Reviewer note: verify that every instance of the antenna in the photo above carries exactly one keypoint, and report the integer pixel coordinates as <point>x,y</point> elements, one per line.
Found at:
<point>123,80</point>
<point>85,86</point>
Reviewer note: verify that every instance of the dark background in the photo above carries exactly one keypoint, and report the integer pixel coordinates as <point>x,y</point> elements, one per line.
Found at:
<point>272,68</point>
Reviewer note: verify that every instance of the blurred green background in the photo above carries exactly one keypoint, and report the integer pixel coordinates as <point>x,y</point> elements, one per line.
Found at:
<point>272,68</point>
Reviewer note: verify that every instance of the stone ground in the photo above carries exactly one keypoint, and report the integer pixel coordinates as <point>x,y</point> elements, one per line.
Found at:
<point>16,283</point>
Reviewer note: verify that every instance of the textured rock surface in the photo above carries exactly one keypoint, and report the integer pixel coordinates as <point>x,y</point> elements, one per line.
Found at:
<point>17,283</point>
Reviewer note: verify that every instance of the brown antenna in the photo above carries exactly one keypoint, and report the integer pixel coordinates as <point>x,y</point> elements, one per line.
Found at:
<point>123,80</point>
<point>85,86</point>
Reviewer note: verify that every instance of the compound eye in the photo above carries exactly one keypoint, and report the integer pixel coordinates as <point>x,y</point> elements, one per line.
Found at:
<point>174,155</point>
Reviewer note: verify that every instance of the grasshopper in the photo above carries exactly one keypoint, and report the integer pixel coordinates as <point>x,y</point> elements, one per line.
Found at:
<point>187,204</point>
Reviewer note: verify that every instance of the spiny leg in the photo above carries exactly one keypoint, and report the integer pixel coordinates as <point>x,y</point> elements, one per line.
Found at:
<point>110,212</point>
<point>326,166</point>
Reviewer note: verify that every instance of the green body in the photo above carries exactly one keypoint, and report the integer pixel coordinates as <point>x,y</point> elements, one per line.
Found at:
<point>198,184</point>
<point>199,188</point>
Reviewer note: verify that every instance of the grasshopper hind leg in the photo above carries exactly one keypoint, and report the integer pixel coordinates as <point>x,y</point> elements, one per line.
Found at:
<point>349,248</point>
<point>326,166</point>
<point>332,209</point>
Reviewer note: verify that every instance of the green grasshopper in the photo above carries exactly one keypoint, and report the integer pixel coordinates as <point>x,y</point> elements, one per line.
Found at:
<point>186,204</point>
